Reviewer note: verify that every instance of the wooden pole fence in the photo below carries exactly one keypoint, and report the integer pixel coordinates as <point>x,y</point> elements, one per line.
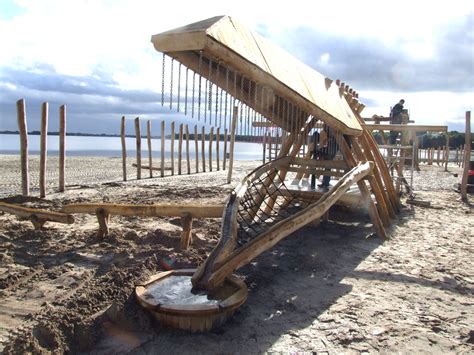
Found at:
<point>43,149</point>
<point>62,147</point>
<point>23,129</point>
<point>139,148</point>
<point>124,149</point>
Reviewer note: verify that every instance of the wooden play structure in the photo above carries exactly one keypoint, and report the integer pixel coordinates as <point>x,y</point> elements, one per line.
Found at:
<point>312,113</point>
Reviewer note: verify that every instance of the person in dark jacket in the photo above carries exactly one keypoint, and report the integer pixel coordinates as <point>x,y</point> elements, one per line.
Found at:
<point>396,118</point>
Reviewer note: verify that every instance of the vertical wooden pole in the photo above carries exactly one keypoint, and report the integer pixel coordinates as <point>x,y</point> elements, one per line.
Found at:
<point>196,147</point>
<point>235,113</point>
<point>211,138</point>
<point>163,138</point>
<point>148,138</point>
<point>44,149</point>
<point>447,153</point>
<point>225,149</point>
<point>269,147</point>
<point>188,163</point>
<point>62,148</point>
<point>180,148</point>
<point>172,147</point>
<point>203,149</point>
<point>23,129</point>
<point>467,156</point>
<point>139,148</point>
<point>218,136</point>
<point>438,156</point>
<point>124,149</point>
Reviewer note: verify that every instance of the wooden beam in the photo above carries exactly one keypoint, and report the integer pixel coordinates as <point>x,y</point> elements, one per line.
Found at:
<point>37,216</point>
<point>156,210</point>
<point>405,128</point>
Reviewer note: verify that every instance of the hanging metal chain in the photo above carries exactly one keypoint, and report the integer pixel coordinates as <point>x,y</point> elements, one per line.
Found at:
<point>217,94</point>
<point>200,79</point>
<point>186,93</point>
<point>171,84</point>
<point>179,86</point>
<point>163,81</point>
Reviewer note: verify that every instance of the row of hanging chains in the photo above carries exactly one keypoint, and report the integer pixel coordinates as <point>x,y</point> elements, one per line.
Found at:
<point>218,101</point>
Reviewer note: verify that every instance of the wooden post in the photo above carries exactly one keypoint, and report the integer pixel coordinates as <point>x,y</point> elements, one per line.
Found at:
<point>23,129</point>
<point>188,163</point>
<point>163,137</point>
<point>196,147</point>
<point>438,156</point>
<point>124,149</point>
<point>148,136</point>
<point>225,149</point>
<point>447,153</point>
<point>139,148</point>
<point>44,149</point>
<point>467,156</point>
<point>180,148</point>
<point>211,137</point>
<point>62,148</point>
<point>218,136</point>
<point>172,147</point>
<point>186,236</point>
<point>203,149</point>
<point>232,142</point>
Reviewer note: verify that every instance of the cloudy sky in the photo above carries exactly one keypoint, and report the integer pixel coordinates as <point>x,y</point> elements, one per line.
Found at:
<point>96,56</point>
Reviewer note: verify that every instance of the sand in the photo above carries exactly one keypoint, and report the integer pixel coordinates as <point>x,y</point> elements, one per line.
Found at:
<point>330,288</point>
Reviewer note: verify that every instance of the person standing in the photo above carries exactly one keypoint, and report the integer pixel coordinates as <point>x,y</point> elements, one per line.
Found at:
<point>396,118</point>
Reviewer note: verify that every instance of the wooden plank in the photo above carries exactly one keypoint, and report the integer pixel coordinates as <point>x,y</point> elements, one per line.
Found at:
<point>22,128</point>
<point>196,148</point>
<point>180,148</point>
<point>43,149</point>
<point>188,162</point>
<point>172,147</point>
<point>148,138</point>
<point>218,137</point>
<point>156,210</point>
<point>124,149</point>
<point>138,139</point>
<point>235,114</point>
<point>405,128</point>
<point>37,216</point>
<point>211,137</point>
<point>62,148</point>
<point>467,156</point>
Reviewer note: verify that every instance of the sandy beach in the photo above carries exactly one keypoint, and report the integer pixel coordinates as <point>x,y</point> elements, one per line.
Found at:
<point>329,288</point>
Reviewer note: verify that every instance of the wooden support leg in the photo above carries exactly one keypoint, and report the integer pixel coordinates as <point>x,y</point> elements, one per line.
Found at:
<point>187,224</point>
<point>38,223</point>
<point>364,191</point>
<point>103,219</point>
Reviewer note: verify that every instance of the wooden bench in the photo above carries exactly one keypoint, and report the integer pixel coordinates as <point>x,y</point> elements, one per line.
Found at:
<point>186,212</point>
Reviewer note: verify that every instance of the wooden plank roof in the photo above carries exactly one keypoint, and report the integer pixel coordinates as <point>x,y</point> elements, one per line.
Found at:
<point>224,39</point>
